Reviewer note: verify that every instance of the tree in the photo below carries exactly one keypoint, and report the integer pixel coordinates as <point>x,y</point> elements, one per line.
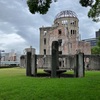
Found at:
<point>42,7</point>
<point>96,49</point>
<point>94,11</point>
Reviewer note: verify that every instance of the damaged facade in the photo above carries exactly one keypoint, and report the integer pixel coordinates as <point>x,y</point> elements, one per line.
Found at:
<point>65,30</point>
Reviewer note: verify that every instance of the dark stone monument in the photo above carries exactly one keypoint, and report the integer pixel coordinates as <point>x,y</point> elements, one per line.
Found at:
<point>28,64</point>
<point>54,59</point>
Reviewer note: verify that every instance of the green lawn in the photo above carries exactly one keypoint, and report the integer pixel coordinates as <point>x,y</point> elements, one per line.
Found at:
<point>15,85</point>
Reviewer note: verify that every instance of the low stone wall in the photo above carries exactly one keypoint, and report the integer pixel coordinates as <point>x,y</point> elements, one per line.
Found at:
<point>44,61</point>
<point>65,61</point>
<point>91,62</point>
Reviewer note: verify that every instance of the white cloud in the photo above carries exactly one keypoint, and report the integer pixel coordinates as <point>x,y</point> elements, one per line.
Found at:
<point>11,38</point>
<point>12,41</point>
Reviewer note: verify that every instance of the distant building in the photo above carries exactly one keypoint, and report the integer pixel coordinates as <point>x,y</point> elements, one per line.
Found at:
<point>98,33</point>
<point>65,30</point>
<point>10,58</point>
<point>93,41</point>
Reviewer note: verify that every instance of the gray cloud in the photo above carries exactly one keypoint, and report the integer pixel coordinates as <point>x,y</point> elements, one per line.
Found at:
<point>16,19</point>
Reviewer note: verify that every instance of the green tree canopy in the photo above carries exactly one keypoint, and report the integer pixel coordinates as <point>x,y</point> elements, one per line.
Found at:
<point>96,49</point>
<point>94,11</point>
<point>42,7</point>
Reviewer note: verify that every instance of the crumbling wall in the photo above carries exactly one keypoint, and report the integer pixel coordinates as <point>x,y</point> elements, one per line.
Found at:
<point>92,62</point>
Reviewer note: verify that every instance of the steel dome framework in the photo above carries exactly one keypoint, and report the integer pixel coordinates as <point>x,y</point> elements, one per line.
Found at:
<point>66,13</point>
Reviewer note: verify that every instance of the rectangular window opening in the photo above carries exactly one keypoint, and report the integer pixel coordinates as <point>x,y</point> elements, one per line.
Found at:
<point>44,51</point>
<point>44,41</point>
<point>59,32</point>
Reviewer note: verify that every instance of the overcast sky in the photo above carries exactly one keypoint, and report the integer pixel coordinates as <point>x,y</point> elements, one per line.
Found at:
<point>19,29</point>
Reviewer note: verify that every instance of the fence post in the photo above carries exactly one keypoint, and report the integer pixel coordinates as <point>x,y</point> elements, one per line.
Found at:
<point>79,65</point>
<point>28,64</point>
<point>54,59</point>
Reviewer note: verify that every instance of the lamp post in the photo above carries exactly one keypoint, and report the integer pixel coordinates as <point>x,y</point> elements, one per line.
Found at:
<point>1,56</point>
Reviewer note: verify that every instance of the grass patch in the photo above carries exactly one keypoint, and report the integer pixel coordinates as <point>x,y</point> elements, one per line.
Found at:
<point>14,85</point>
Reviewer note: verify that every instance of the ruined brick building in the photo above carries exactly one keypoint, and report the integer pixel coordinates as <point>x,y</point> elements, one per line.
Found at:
<point>65,30</point>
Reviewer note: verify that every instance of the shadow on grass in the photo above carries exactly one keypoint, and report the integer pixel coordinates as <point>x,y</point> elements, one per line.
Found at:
<point>58,76</point>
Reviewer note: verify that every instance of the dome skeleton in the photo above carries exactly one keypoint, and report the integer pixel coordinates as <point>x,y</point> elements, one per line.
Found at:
<point>66,13</point>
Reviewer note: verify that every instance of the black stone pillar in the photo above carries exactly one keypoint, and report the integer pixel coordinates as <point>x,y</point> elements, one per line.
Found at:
<point>54,59</point>
<point>28,64</point>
